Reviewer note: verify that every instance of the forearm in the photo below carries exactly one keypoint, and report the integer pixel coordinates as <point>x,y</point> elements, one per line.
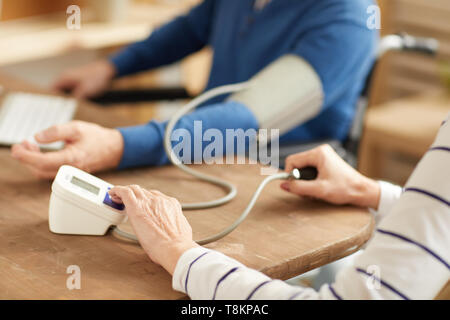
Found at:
<point>378,196</point>
<point>164,46</point>
<point>167,44</point>
<point>365,192</point>
<point>143,145</point>
<point>208,274</point>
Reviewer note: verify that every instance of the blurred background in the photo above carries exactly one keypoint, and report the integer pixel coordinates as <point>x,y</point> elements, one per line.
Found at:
<point>409,97</point>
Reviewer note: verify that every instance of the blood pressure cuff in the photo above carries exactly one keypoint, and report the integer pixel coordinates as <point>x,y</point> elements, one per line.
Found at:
<point>283,95</point>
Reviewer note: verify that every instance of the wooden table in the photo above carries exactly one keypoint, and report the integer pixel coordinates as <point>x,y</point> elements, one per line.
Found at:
<point>283,236</point>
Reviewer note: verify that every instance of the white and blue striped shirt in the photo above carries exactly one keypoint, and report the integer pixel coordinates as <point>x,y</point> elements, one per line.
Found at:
<point>407,258</point>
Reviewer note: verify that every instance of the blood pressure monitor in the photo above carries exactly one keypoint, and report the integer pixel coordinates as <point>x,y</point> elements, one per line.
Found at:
<point>80,204</point>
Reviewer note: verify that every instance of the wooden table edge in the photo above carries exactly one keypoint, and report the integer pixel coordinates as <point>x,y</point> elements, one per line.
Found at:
<point>295,266</point>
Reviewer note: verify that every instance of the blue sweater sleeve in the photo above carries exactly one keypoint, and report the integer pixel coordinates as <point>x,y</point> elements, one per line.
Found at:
<point>169,43</point>
<point>143,145</point>
<point>339,46</point>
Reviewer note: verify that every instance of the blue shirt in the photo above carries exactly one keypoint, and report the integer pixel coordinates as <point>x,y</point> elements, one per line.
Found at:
<point>330,34</point>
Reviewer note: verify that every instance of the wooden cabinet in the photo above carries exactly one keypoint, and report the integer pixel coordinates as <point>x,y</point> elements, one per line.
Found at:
<point>14,9</point>
<point>397,134</point>
<point>403,74</point>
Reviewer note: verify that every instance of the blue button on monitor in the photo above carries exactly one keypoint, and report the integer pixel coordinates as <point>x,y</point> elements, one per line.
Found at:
<point>108,201</point>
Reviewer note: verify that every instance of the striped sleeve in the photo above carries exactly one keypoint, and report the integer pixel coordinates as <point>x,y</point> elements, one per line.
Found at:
<point>221,277</point>
<point>209,275</point>
<point>408,257</point>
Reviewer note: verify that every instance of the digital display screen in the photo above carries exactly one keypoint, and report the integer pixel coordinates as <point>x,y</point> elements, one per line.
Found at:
<point>86,186</point>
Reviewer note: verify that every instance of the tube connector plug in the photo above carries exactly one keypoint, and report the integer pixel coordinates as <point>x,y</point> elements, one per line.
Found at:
<point>306,173</point>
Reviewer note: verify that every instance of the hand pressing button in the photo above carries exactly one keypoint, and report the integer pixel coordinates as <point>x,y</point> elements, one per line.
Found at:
<point>108,201</point>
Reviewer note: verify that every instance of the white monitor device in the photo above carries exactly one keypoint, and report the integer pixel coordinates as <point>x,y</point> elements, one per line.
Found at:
<point>80,204</point>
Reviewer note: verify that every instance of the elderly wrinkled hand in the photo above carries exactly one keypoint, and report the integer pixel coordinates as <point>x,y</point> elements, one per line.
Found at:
<point>158,222</point>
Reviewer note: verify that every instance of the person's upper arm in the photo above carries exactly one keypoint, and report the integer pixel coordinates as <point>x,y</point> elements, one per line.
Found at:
<point>178,38</point>
<point>339,46</point>
<point>408,257</point>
